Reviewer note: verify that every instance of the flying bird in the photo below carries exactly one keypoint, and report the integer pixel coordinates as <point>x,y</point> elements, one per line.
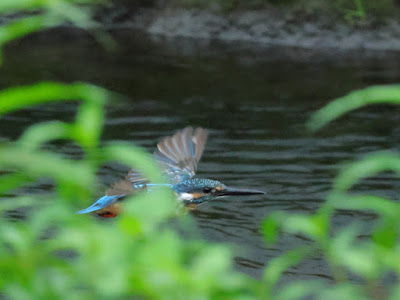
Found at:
<point>178,156</point>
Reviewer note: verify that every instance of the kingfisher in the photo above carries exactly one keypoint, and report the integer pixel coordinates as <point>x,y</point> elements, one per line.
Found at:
<point>178,156</point>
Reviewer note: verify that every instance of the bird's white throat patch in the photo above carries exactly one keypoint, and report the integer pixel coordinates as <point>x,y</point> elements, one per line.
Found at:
<point>185,197</point>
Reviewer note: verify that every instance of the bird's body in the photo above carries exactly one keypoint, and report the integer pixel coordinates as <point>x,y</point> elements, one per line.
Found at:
<point>178,156</point>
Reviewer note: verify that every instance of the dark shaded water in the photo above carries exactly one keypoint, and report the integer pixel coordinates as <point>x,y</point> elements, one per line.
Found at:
<point>255,103</point>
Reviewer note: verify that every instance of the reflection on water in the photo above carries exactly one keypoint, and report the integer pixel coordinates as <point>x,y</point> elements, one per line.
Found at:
<point>255,105</point>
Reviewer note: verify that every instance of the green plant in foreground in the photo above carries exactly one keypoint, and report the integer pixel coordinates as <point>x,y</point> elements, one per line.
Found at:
<point>34,15</point>
<point>347,254</point>
<point>56,254</point>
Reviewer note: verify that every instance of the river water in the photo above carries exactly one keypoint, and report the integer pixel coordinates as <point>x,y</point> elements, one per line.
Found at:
<point>253,100</point>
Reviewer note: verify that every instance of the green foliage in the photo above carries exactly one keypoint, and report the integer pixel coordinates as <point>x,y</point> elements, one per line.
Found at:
<point>370,259</point>
<point>35,15</point>
<point>388,94</point>
<point>55,253</point>
<point>353,10</point>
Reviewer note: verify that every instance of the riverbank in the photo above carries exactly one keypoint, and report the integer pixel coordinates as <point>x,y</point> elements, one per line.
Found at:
<point>263,27</point>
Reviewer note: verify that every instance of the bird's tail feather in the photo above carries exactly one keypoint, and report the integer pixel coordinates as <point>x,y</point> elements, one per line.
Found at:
<point>101,203</point>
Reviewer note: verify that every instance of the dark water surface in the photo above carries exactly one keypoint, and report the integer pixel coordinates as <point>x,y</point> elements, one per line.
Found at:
<point>254,102</point>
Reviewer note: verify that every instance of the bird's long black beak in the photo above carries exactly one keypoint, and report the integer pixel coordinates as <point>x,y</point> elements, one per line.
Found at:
<point>232,191</point>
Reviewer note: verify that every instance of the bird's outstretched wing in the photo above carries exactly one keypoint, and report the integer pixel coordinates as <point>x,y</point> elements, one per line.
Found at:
<point>180,154</point>
<point>125,187</point>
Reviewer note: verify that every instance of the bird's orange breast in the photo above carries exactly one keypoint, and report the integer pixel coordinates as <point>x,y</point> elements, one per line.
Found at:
<point>110,211</point>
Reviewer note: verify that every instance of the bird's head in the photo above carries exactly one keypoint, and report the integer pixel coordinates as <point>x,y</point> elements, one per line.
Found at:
<point>198,190</point>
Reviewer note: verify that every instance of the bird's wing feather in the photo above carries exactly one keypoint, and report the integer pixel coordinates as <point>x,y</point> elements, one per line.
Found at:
<point>126,186</point>
<point>200,140</point>
<point>180,154</point>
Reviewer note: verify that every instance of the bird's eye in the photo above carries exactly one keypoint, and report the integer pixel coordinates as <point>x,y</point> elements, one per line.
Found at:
<point>206,190</point>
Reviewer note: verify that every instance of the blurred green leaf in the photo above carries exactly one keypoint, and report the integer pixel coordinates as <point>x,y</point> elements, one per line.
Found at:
<point>386,232</point>
<point>270,228</point>
<point>299,290</point>
<point>351,253</point>
<point>210,264</point>
<point>20,28</point>
<point>42,164</point>
<point>10,6</point>
<point>307,225</point>
<point>385,207</point>
<point>13,203</point>
<point>395,293</point>
<point>136,157</point>
<point>149,216</point>
<point>343,291</point>
<point>78,15</point>
<point>24,96</point>
<point>131,225</point>
<point>11,181</point>
<point>277,266</point>
<point>368,166</point>
<point>313,227</point>
<point>38,134</point>
<point>89,123</point>
<point>386,94</point>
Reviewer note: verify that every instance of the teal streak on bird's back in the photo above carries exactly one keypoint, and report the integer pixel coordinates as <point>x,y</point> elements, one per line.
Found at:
<point>178,157</point>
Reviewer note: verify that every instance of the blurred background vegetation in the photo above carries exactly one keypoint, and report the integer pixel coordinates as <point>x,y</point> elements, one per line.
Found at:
<point>52,253</point>
<point>340,10</point>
